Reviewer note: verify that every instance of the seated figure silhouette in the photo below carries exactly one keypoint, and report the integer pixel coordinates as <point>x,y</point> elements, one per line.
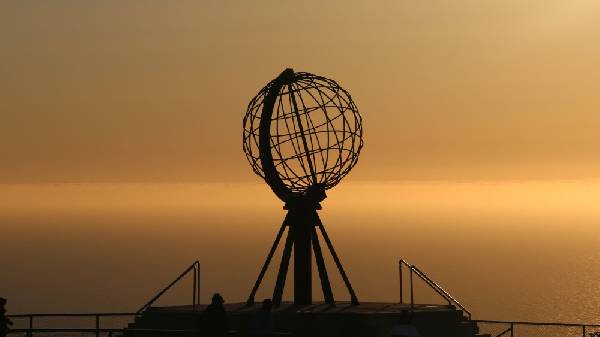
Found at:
<point>4,321</point>
<point>263,323</point>
<point>214,322</point>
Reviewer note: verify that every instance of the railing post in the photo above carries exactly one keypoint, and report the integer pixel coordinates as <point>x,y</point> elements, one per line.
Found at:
<point>29,333</point>
<point>194,289</point>
<point>412,294</point>
<point>583,331</point>
<point>97,325</point>
<point>511,329</point>
<point>198,294</point>
<point>400,274</point>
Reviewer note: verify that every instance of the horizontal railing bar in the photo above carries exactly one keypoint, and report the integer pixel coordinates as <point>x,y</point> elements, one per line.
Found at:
<point>64,330</point>
<point>504,332</point>
<point>101,330</point>
<point>536,323</point>
<point>74,315</point>
<point>128,330</point>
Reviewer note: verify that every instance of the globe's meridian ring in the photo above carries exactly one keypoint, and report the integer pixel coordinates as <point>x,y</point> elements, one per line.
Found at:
<point>267,146</point>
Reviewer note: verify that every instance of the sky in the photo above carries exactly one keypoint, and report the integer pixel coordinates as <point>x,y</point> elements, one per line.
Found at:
<point>155,91</point>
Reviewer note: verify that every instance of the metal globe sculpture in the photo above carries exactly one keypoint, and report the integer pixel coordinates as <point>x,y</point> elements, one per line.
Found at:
<point>302,134</point>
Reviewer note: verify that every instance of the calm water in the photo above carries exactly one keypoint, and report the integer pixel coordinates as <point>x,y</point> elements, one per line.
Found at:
<point>507,250</point>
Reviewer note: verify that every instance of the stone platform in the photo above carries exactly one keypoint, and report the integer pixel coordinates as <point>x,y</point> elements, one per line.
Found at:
<point>321,320</point>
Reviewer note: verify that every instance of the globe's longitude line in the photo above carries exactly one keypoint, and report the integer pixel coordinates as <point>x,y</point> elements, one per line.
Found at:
<point>358,128</point>
<point>257,119</point>
<point>274,147</point>
<point>301,127</point>
<point>344,132</point>
<point>341,109</point>
<point>295,142</point>
<point>329,121</point>
<point>324,109</point>
<point>346,123</point>
<point>329,145</point>
<point>298,146</point>
<point>278,141</point>
<point>286,166</point>
<point>339,160</point>
<point>305,114</point>
<point>287,169</point>
<point>295,119</point>
<point>329,132</point>
<point>338,96</point>
<point>311,132</point>
<point>256,102</point>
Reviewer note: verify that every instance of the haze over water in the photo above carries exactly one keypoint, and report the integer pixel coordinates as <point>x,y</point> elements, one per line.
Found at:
<point>514,250</point>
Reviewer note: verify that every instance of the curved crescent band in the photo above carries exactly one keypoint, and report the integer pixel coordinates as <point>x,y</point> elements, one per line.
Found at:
<point>271,176</point>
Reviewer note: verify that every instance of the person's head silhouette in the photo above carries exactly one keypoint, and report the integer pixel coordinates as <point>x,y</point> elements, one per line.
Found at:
<point>2,301</point>
<point>267,304</point>
<point>217,299</point>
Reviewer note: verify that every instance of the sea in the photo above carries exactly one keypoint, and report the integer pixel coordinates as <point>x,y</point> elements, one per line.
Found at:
<point>507,250</point>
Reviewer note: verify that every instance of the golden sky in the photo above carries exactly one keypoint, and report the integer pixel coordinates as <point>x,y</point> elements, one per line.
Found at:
<point>155,90</point>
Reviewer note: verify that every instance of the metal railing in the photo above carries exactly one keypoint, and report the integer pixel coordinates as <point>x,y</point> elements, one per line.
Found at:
<point>436,287</point>
<point>536,329</point>
<point>123,332</point>
<point>97,319</point>
<point>195,267</point>
<point>65,331</point>
<point>97,329</point>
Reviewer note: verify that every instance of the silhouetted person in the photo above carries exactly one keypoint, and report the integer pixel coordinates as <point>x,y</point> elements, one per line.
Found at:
<point>4,322</point>
<point>214,322</point>
<point>404,328</point>
<point>263,323</point>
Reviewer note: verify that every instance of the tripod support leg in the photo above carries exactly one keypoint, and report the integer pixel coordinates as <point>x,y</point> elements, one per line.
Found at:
<point>325,285</point>
<point>283,269</point>
<point>338,263</point>
<point>250,300</point>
